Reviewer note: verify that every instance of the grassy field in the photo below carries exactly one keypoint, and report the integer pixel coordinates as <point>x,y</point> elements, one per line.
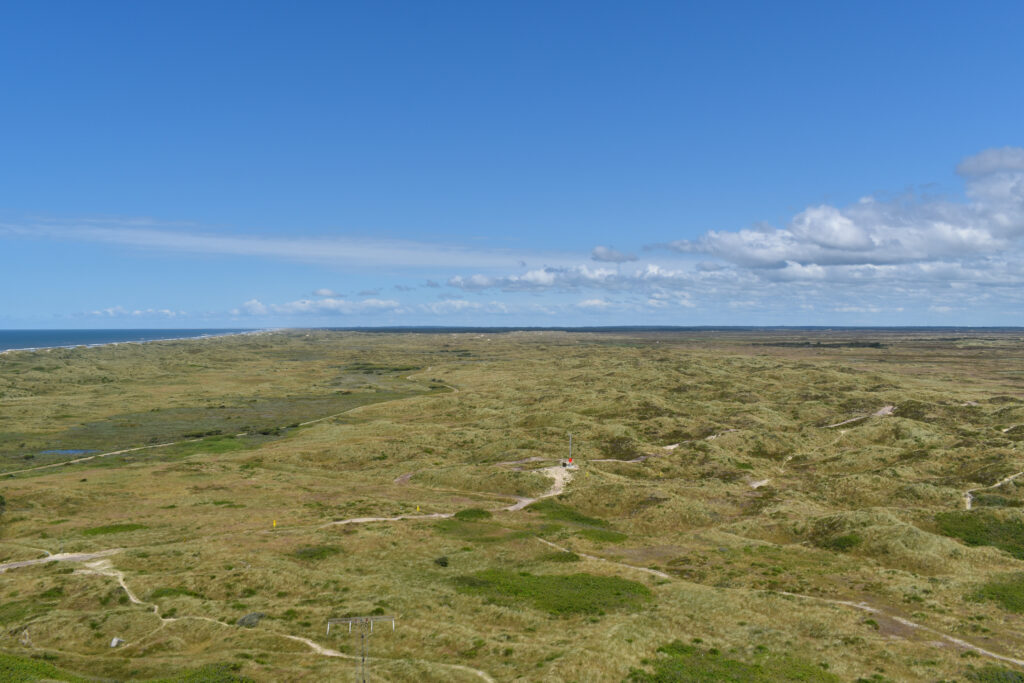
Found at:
<point>806,522</point>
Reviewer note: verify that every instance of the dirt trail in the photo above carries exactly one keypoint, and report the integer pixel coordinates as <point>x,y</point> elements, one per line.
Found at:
<point>595,558</point>
<point>99,455</point>
<point>98,564</point>
<point>59,557</point>
<point>560,478</point>
<point>884,411</point>
<point>535,458</point>
<point>864,607</point>
<point>327,652</point>
<point>969,493</point>
<point>670,447</point>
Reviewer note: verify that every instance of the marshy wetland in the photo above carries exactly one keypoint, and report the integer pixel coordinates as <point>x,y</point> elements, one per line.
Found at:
<point>755,506</point>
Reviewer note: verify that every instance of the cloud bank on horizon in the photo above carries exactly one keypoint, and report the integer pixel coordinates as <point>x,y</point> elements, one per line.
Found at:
<point>910,259</point>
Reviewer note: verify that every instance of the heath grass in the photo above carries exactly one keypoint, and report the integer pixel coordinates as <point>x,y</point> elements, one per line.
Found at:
<point>681,663</point>
<point>850,513</point>
<point>557,594</point>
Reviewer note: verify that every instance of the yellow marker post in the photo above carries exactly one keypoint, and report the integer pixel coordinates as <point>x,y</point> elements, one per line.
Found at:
<point>275,523</point>
<point>417,508</point>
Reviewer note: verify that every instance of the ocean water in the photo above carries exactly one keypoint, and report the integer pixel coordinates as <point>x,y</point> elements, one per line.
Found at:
<point>45,339</point>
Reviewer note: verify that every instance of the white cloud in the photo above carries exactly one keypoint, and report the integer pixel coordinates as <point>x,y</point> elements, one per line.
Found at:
<point>539,279</point>
<point>875,233</point>
<point>121,311</point>
<point>594,303</point>
<point>329,305</point>
<point>323,250</point>
<point>333,305</point>
<point>994,160</point>
<point>254,307</point>
<point>610,255</point>
<point>448,306</point>
<point>857,309</point>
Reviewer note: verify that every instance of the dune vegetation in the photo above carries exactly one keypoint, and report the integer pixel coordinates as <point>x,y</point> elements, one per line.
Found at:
<point>761,505</point>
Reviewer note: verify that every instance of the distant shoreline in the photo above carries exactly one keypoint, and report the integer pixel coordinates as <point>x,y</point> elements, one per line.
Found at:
<point>189,334</point>
<point>200,334</point>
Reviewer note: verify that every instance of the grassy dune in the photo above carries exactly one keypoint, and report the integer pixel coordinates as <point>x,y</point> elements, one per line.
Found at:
<point>761,515</point>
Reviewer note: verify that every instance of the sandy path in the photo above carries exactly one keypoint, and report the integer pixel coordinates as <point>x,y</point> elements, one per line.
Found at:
<point>59,557</point>
<point>670,447</point>
<point>104,567</point>
<point>969,494</point>
<point>560,478</point>
<point>535,458</point>
<point>864,607</point>
<point>884,411</point>
<point>99,455</point>
<point>595,558</point>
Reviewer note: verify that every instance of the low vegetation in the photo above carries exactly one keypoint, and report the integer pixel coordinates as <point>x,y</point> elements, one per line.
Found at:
<point>555,593</point>
<point>760,513</point>
<point>1006,591</point>
<point>112,529</point>
<point>978,527</point>
<point>681,663</point>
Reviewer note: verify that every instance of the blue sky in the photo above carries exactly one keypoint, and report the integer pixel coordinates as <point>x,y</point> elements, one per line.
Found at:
<point>546,163</point>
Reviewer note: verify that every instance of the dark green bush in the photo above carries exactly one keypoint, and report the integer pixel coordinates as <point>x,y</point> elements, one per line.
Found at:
<point>317,552</point>
<point>472,514</point>
<point>681,663</point>
<point>984,528</point>
<point>557,594</point>
<point>1007,591</point>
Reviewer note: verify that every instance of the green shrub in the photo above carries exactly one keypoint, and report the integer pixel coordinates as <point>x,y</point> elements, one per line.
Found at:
<point>603,535</point>
<point>172,592</point>
<point>317,552</point>
<point>472,514</point>
<point>620,448</point>
<point>211,673</point>
<point>549,509</point>
<point>1007,591</point>
<point>560,557</point>
<point>994,500</point>
<point>995,674</point>
<point>984,528</point>
<point>15,669</point>
<point>557,594</point>
<point>842,543</point>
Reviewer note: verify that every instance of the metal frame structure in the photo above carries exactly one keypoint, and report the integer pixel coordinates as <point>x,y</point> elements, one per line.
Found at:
<point>365,627</point>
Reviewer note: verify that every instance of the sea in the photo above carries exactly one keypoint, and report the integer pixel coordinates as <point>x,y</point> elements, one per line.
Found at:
<point>48,339</point>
